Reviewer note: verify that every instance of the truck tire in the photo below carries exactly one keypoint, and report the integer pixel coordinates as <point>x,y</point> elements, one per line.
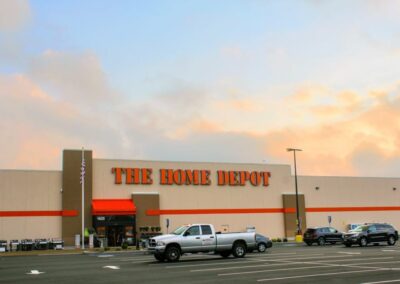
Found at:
<point>159,257</point>
<point>172,253</point>
<point>225,254</point>
<point>239,249</point>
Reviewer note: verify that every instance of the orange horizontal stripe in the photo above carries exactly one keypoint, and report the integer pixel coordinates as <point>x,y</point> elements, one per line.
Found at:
<point>67,213</point>
<point>353,209</point>
<point>218,211</point>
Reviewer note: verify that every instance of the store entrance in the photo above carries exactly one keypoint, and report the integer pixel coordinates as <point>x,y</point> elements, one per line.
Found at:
<point>115,235</point>
<point>114,230</point>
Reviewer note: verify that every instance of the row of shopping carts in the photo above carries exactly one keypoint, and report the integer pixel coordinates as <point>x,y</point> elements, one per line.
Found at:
<point>29,244</point>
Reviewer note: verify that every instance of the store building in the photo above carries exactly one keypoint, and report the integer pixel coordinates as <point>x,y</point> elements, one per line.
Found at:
<point>129,199</point>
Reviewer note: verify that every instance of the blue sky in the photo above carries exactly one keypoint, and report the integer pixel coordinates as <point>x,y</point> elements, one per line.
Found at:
<point>182,80</point>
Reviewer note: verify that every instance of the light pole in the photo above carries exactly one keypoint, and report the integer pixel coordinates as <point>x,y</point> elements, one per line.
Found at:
<point>297,194</point>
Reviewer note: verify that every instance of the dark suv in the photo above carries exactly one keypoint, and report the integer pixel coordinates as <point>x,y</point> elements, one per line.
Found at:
<point>322,235</point>
<point>371,233</point>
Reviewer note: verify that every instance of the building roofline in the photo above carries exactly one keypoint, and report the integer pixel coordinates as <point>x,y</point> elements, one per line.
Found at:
<point>191,162</point>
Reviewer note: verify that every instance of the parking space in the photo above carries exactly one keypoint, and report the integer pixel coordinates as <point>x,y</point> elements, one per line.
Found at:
<point>281,264</point>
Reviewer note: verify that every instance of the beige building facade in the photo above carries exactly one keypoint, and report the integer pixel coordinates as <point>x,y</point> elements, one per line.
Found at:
<point>131,199</point>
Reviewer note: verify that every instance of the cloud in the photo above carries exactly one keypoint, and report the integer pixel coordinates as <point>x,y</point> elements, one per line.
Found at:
<point>356,145</point>
<point>72,76</point>
<point>178,124</point>
<point>233,52</point>
<point>14,14</point>
<point>241,105</point>
<point>36,126</point>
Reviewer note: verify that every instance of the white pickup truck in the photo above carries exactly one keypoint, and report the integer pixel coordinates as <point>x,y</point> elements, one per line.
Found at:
<point>200,238</point>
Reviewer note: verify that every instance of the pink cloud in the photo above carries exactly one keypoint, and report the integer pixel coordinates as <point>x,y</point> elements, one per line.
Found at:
<point>14,14</point>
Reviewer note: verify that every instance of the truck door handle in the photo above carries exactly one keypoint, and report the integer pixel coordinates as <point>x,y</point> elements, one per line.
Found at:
<point>197,238</point>
<point>211,237</point>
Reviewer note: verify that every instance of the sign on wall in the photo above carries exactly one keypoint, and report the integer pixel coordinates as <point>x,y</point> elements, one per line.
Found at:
<point>190,177</point>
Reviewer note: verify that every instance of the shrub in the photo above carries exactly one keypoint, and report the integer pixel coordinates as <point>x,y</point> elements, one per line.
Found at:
<point>285,240</point>
<point>278,240</point>
<point>124,245</point>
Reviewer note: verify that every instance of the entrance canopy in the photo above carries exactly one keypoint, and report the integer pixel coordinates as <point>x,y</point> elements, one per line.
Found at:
<point>113,207</point>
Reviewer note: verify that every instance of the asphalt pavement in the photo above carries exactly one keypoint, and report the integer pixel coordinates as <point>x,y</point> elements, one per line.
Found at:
<point>283,263</point>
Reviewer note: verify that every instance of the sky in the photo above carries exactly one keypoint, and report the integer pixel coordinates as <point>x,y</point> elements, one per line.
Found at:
<point>208,81</point>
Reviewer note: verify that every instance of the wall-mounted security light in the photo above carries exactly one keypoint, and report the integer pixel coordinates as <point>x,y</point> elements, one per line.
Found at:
<point>317,188</point>
<point>394,188</point>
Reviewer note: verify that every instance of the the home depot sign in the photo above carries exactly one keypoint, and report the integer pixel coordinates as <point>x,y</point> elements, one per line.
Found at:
<point>190,177</point>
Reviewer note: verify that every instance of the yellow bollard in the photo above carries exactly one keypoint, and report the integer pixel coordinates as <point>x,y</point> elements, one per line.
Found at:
<point>299,238</point>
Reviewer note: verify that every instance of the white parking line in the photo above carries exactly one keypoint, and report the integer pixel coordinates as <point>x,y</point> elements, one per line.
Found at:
<point>346,252</point>
<point>272,270</point>
<point>113,267</point>
<point>297,256</point>
<point>336,260</point>
<point>324,265</point>
<point>300,262</point>
<point>313,257</point>
<point>358,259</point>
<point>35,272</point>
<point>286,253</point>
<point>243,267</point>
<point>133,258</point>
<point>230,261</point>
<point>386,281</point>
<point>316,275</point>
<point>212,264</point>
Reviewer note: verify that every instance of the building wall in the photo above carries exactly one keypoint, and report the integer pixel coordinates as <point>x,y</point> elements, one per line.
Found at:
<point>27,193</point>
<point>358,195</point>
<point>346,199</point>
<point>196,197</point>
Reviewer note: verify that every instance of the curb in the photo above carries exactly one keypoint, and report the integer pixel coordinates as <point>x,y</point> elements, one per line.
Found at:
<point>67,252</point>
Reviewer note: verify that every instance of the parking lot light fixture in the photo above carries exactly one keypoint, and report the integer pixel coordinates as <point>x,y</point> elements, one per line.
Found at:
<point>297,194</point>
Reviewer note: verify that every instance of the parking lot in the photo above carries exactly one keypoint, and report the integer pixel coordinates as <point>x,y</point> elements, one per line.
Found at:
<point>283,263</point>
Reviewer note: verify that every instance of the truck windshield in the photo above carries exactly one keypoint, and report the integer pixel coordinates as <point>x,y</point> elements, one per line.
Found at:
<point>180,230</point>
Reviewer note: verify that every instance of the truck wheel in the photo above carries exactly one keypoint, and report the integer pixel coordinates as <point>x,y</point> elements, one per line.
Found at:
<point>309,243</point>
<point>172,253</point>
<point>391,240</point>
<point>159,257</point>
<point>225,254</point>
<point>239,249</point>
<point>347,245</point>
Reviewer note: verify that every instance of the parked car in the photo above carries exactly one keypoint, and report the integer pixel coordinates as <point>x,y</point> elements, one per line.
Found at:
<point>371,233</point>
<point>322,235</point>
<point>200,238</point>
<point>262,243</point>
